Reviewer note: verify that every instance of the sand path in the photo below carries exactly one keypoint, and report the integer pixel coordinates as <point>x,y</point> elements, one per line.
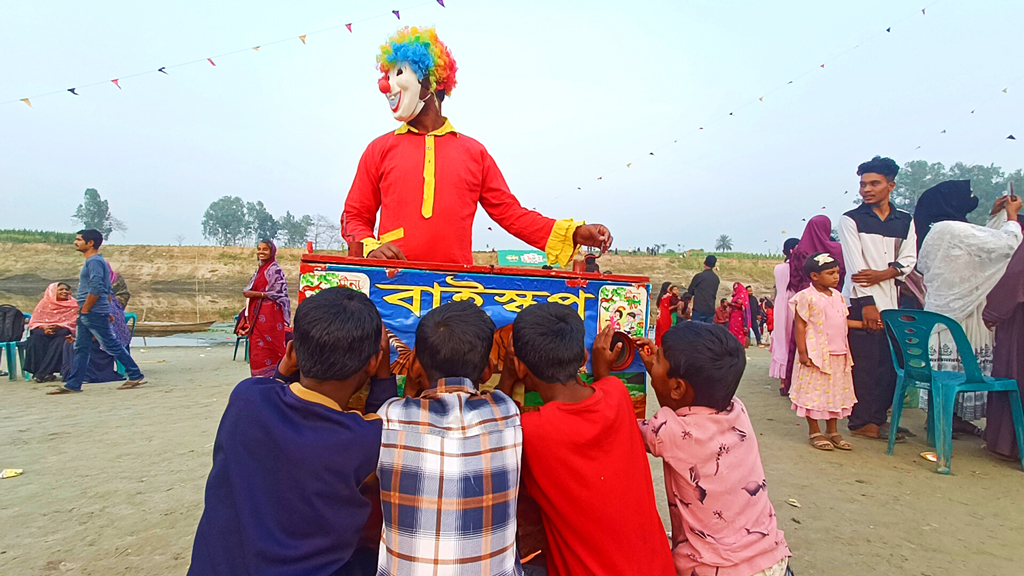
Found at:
<point>114,482</point>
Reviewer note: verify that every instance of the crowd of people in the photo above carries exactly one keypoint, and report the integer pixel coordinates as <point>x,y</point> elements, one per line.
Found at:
<point>751,319</point>
<point>459,472</point>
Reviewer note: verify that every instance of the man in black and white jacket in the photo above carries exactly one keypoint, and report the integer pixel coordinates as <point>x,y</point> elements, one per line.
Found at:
<point>879,246</point>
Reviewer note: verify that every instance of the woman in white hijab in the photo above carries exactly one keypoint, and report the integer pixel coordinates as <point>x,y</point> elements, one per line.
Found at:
<point>961,263</point>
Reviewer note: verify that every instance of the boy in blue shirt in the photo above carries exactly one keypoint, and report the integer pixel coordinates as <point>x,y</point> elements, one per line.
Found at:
<point>287,494</point>
<point>93,326</point>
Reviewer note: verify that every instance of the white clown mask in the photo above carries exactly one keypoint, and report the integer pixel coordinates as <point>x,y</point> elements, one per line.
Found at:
<point>401,86</point>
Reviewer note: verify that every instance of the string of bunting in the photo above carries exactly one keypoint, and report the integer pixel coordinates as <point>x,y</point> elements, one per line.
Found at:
<point>753,101</point>
<point>211,60</point>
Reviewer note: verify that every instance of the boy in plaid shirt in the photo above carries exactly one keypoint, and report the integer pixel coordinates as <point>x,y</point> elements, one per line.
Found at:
<point>450,458</point>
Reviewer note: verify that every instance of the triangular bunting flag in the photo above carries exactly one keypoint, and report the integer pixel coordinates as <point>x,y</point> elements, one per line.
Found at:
<point>210,60</point>
<point>117,83</point>
<point>27,101</point>
<point>628,164</point>
<point>256,48</point>
<point>790,82</point>
<point>701,128</point>
<point>918,148</point>
<point>730,113</point>
<point>922,11</point>
<point>1004,90</point>
<point>761,98</point>
<point>72,90</point>
<point>441,2</point>
<point>397,15</point>
<point>822,65</point>
<point>303,38</point>
<point>888,29</point>
<point>599,177</point>
<point>1010,137</point>
<point>943,132</point>
<point>651,153</point>
<point>162,69</point>
<point>349,26</point>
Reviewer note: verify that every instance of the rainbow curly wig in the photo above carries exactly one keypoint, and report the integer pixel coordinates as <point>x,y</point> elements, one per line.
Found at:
<point>425,54</point>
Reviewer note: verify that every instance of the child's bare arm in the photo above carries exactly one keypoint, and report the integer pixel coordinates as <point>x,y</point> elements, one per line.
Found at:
<point>855,324</point>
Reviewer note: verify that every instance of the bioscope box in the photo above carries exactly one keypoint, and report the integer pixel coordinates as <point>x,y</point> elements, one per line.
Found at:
<point>404,291</point>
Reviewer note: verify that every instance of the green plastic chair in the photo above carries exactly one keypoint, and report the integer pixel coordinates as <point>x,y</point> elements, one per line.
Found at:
<point>133,318</point>
<point>909,331</point>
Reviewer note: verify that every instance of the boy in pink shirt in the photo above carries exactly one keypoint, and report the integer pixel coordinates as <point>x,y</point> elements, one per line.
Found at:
<point>722,521</point>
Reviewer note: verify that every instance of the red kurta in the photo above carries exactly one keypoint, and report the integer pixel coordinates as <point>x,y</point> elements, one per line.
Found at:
<point>431,220</point>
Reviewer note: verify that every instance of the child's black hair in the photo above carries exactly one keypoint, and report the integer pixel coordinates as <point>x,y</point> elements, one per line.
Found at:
<point>819,262</point>
<point>91,235</point>
<point>885,166</point>
<point>708,357</point>
<point>337,331</point>
<point>549,339</point>
<point>454,341</point>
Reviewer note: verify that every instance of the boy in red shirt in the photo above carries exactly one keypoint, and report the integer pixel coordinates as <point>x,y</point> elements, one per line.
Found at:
<point>583,457</point>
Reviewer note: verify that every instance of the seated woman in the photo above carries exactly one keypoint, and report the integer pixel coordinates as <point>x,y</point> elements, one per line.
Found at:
<point>52,325</point>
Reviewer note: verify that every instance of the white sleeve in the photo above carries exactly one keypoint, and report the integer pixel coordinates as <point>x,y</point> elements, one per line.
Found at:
<point>907,257</point>
<point>853,254</point>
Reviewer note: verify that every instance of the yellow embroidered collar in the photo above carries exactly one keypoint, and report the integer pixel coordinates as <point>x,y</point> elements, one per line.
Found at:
<point>444,129</point>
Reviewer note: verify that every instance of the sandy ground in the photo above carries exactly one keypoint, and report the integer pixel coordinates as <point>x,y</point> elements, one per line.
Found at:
<point>114,482</point>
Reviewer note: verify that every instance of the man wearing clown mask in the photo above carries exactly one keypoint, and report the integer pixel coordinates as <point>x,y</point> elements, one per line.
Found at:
<point>426,179</point>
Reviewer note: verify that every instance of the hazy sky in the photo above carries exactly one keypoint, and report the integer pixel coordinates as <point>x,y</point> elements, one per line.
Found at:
<point>561,93</point>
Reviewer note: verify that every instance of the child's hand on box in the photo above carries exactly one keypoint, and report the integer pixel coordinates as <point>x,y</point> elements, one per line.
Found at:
<point>602,356</point>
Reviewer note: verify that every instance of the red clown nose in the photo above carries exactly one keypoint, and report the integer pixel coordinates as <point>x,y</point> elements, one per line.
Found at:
<point>384,85</point>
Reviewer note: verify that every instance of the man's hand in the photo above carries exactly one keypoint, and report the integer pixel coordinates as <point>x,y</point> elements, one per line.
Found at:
<point>647,351</point>
<point>509,376</point>
<point>387,251</point>
<point>1013,207</point>
<point>384,368</point>
<point>602,356</point>
<point>872,319</point>
<point>49,330</point>
<point>70,338</point>
<point>593,235</point>
<point>866,278</point>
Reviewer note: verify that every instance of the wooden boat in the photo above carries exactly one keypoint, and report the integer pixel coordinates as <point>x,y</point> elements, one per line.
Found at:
<point>170,328</point>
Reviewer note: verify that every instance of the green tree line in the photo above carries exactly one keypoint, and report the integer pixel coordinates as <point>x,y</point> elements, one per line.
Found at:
<point>36,237</point>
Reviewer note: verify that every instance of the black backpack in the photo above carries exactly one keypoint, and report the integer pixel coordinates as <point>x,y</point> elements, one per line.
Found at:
<point>12,323</point>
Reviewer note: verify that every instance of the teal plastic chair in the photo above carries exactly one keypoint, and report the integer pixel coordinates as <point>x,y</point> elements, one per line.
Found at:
<point>909,331</point>
<point>238,340</point>
<point>11,349</point>
<point>131,317</point>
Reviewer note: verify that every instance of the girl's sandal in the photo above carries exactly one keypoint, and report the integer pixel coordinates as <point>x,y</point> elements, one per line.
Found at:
<point>837,441</point>
<point>819,441</point>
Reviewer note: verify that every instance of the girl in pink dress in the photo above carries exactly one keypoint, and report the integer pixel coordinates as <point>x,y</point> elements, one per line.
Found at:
<point>822,386</point>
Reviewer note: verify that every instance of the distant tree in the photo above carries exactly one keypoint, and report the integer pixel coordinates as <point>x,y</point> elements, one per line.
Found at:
<point>723,244</point>
<point>326,233</point>
<point>259,222</point>
<point>180,239</point>
<point>224,222</point>
<point>295,231</point>
<point>987,183</point>
<point>94,212</point>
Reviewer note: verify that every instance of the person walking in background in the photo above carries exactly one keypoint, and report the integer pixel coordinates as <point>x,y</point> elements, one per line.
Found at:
<point>93,327</point>
<point>704,289</point>
<point>664,303</point>
<point>769,321</point>
<point>673,303</point>
<point>960,264</point>
<point>737,313</point>
<point>756,316</point>
<point>879,245</point>
<point>822,380</point>
<point>782,355</point>
<point>267,316</point>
